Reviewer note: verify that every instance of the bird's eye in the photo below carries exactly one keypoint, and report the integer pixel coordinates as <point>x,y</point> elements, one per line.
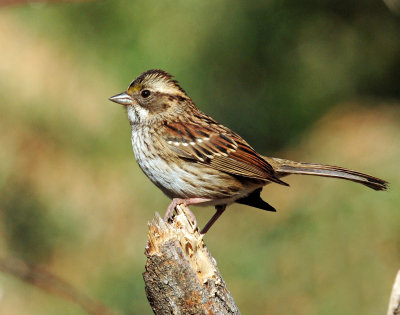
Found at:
<point>145,93</point>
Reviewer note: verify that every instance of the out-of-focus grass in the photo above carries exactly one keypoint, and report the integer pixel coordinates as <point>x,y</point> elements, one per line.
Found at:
<point>73,199</point>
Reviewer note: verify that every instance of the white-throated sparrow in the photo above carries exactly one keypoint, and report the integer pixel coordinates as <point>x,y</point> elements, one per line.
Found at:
<point>195,160</point>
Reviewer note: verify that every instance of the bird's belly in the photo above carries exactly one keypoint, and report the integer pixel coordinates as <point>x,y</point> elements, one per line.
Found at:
<point>174,181</point>
<point>184,179</point>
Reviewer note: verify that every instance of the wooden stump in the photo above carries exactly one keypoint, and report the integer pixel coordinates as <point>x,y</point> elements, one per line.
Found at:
<point>181,276</point>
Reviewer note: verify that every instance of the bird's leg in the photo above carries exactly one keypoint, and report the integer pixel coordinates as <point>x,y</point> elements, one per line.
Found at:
<point>219,210</point>
<point>186,202</point>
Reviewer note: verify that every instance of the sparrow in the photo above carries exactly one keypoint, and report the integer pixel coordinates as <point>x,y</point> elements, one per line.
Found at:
<point>194,159</point>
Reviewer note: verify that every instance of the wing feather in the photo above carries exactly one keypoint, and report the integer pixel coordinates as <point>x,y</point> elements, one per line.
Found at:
<point>219,148</point>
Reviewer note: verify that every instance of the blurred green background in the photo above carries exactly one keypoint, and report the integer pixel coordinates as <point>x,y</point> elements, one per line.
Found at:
<point>306,80</point>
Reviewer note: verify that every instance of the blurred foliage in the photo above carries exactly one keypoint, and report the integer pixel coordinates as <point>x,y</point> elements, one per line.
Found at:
<point>309,80</point>
<point>30,230</point>
<point>283,61</point>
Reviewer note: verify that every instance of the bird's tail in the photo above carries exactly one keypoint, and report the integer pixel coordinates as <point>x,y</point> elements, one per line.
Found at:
<point>287,167</point>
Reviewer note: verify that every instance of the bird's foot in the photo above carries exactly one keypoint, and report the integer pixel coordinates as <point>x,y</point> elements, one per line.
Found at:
<point>219,210</point>
<point>186,202</point>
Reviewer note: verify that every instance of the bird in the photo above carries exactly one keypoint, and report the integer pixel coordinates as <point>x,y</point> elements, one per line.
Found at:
<point>195,160</point>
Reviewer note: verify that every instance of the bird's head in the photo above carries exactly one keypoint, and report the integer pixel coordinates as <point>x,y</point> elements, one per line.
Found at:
<point>153,96</point>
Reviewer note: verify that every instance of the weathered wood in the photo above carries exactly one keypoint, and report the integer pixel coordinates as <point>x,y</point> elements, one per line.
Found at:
<point>181,276</point>
<point>394,303</point>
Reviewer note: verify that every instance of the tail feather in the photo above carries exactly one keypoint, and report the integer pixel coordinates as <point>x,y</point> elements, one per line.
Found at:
<point>286,167</point>
<point>254,200</point>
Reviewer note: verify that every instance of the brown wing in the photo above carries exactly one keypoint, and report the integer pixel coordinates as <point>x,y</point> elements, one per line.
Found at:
<point>219,148</point>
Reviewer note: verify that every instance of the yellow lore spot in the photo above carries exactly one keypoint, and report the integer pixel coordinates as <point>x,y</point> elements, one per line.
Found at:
<point>135,88</point>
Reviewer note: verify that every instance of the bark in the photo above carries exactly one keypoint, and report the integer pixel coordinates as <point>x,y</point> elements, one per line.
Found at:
<point>181,276</point>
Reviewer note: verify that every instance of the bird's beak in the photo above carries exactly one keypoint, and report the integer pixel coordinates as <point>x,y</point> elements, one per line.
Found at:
<point>122,98</point>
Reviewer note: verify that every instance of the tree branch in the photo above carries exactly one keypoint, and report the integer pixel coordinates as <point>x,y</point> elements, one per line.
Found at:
<point>51,283</point>
<point>394,303</point>
<point>23,2</point>
<point>181,276</point>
